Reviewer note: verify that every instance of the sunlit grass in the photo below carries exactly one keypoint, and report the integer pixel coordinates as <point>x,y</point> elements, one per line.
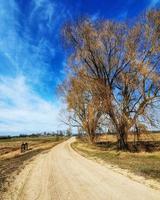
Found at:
<point>143,163</point>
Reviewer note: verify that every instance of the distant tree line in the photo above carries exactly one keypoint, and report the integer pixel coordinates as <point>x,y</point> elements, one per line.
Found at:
<point>60,133</point>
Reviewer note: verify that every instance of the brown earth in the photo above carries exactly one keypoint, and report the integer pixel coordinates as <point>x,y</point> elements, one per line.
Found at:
<point>12,161</point>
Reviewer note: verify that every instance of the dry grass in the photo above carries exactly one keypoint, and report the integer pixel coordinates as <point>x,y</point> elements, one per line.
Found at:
<point>12,160</point>
<point>147,142</point>
<point>143,137</point>
<point>143,163</point>
<point>11,147</point>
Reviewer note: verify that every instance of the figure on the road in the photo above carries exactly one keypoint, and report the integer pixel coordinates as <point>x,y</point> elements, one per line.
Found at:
<point>26,146</point>
<point>22,147</point>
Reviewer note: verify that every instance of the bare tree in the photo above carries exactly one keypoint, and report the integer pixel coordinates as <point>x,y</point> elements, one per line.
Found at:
<point>121,64</point>
<point>82,109</point>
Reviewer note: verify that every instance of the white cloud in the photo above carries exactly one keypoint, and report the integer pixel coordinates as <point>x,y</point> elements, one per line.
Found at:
<point>45,9</point>
<point>22,55</point>
<point>23,110</point>
<point>23,68</point>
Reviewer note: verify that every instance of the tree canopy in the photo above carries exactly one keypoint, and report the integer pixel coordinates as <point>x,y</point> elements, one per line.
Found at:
<point>114,73</point>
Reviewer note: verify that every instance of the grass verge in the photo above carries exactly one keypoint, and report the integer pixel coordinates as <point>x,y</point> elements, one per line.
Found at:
<point>144,164</point>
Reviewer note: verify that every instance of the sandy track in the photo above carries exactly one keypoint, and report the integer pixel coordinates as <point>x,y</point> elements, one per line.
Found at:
<point>62,174</point>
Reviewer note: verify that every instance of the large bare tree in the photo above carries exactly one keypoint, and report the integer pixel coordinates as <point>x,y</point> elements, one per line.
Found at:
<point>121,64</point>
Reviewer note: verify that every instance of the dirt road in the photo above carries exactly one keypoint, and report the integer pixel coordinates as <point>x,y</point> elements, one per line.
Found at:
<point>62,174</point>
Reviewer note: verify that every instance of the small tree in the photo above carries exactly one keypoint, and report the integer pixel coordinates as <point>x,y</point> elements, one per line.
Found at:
<point>82,107</point>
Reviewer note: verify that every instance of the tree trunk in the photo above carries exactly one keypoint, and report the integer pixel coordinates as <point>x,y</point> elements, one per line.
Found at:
<point>122,140</point>
<point>92,138</point>
<point>91,135</point>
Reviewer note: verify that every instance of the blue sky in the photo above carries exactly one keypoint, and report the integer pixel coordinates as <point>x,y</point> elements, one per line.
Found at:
<point>32,56</point>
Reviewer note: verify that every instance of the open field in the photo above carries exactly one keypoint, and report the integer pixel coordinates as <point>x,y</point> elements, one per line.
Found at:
<point>148,136</point>
<point>147,142</point>
<point>142,163</point>
<point>12,161</point>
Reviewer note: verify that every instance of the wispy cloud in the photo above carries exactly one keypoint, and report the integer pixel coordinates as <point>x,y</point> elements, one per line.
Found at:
<point>23,110</point>
<point>27,81</point>
<point>22,55</point>
<point>45,9</point>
